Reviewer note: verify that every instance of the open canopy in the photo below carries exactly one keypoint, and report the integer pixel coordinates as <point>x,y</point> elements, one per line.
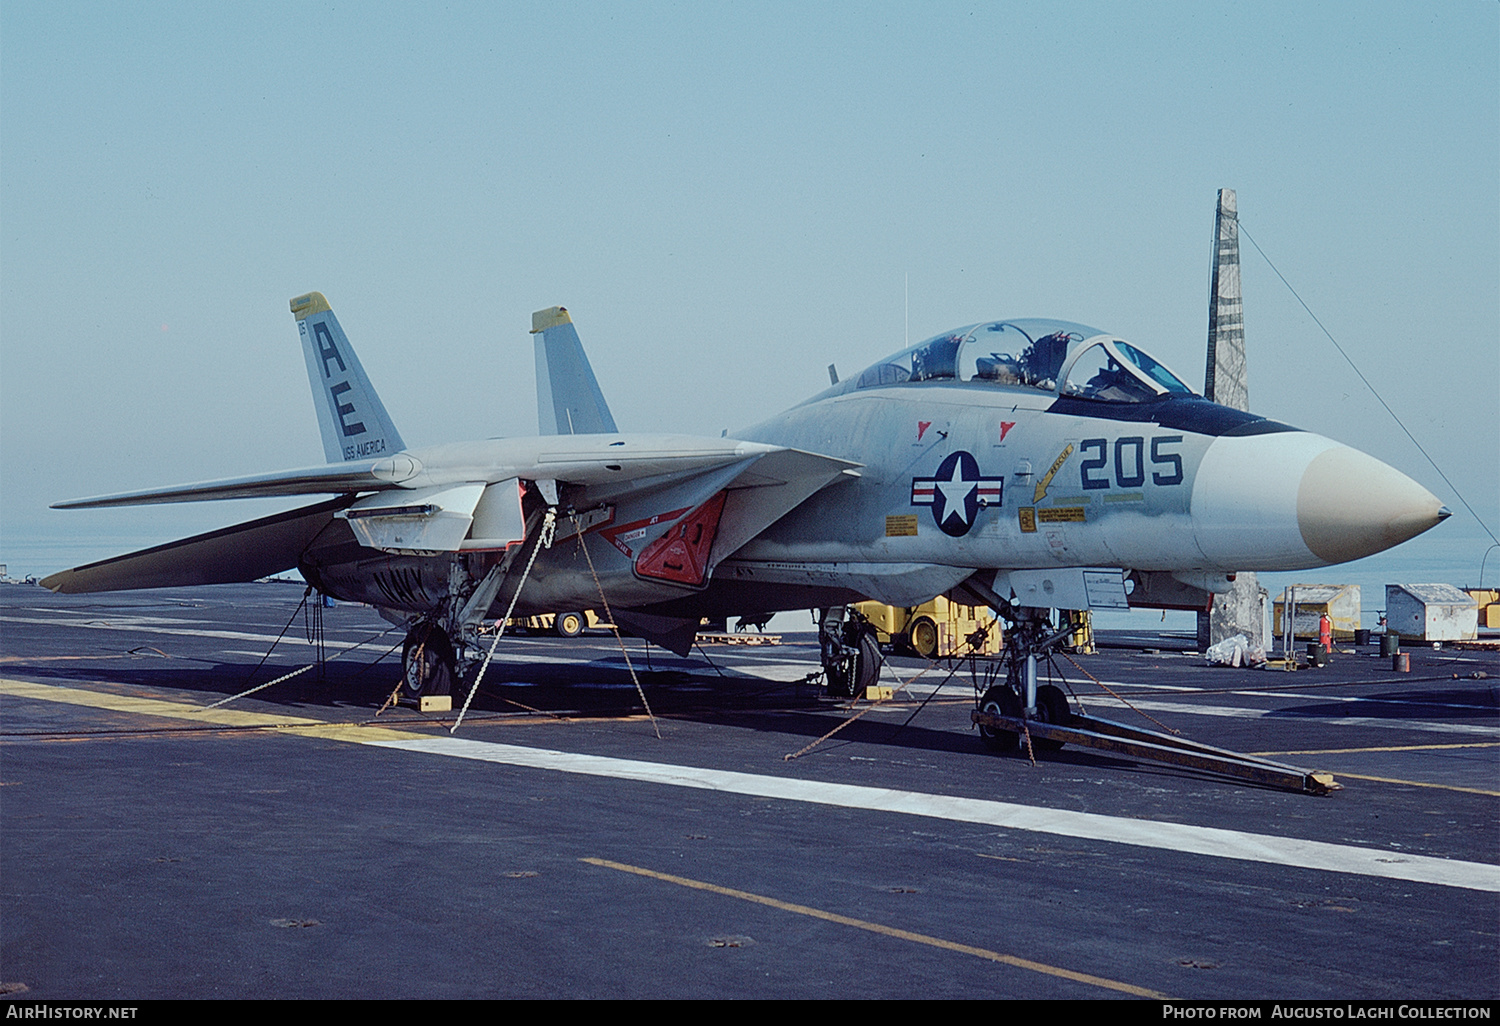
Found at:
<point>1047,355</point>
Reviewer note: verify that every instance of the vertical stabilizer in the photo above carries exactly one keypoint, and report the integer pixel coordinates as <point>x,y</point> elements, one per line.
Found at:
<point>351,417</point>
<point>568,400</point>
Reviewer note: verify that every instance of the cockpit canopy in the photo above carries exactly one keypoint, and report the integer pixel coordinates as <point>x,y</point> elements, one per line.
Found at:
<point>1050,356</point>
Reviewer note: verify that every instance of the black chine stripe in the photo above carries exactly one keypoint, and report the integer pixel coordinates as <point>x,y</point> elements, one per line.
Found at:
<point>1184,413</point>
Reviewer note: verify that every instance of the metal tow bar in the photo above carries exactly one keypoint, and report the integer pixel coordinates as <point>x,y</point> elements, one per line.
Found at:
<point>1092,732</point>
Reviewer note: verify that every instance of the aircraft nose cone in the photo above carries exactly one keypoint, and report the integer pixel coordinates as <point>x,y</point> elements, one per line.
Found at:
<point>1292,500</point>
<point>1351,505</point>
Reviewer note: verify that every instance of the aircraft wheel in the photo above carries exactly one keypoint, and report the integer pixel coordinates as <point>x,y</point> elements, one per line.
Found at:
<point>1051,707</point>
<point>924,637</point>
<point>850,677</point>
<point>427,663</point>
<point>868,671</point>
<point>568,625</point>
<point>1000,701</point>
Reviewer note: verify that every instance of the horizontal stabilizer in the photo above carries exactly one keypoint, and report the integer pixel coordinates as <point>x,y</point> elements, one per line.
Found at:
<point>568,400</point>
<point>244,552</point>
<point>337,478</point>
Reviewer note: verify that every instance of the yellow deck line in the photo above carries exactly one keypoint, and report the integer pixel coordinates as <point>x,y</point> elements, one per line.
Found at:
<point>299,725</point>
<point>1420,783</point>
<point>1399,748</point>
<point>888,931</point>
<point>1385,748</point>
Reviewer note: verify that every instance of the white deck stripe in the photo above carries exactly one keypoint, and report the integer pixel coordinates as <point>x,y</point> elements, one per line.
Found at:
<point>291,637</point>
<point>1219,843</point>
<point>1211,841</point>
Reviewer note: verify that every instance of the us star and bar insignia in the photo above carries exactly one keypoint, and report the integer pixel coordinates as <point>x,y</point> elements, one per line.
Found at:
<point>956,493</point>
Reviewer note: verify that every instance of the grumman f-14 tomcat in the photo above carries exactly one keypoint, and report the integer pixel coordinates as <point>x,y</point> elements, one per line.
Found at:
<point>1026,464</point>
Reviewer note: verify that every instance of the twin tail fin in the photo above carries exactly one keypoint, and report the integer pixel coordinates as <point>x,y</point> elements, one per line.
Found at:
<point>568,400</point>
<point>351,416</point>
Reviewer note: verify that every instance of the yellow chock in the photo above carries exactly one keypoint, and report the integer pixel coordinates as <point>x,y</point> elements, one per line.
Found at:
<point>1325,779</point>
<point>436,703</point>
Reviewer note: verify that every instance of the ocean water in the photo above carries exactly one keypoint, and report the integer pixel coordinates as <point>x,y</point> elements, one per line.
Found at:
<point>38,556</point>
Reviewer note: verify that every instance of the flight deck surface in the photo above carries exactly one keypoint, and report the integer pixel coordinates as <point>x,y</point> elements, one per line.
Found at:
<point>293,843</point>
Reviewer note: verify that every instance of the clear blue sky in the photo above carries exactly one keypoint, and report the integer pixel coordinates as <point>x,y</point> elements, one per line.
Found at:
<point>728,198</point>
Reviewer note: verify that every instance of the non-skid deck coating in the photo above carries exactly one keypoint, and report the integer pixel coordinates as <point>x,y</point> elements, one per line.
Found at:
<point>294,844</point>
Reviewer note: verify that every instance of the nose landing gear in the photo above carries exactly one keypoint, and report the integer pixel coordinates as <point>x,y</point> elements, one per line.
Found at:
<point>1019,707</point>
<point>1030,637</point>
<point>1000,700</point>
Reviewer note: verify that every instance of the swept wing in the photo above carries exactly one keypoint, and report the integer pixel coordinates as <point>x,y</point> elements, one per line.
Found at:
<point>244,552</point>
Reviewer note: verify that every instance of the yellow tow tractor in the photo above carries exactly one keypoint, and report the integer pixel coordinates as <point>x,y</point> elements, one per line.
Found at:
<point>564,625</point>
<point>937,629</point>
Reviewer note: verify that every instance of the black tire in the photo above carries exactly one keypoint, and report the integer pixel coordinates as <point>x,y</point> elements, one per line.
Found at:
<point>427,664</point>
<point>850,678</point>
<point>1051,707</point>
<point>1000,701</point>
<point>923,635</point>
<point>569,625</point>
<point>868,673</point>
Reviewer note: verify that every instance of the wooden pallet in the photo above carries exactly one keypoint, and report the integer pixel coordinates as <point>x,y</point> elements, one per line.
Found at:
<point>739,639</point>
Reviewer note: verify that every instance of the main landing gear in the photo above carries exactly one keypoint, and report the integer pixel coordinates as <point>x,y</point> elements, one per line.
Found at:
<point>429,666</point>
<point>442,646</point>
<point>849,652</point>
